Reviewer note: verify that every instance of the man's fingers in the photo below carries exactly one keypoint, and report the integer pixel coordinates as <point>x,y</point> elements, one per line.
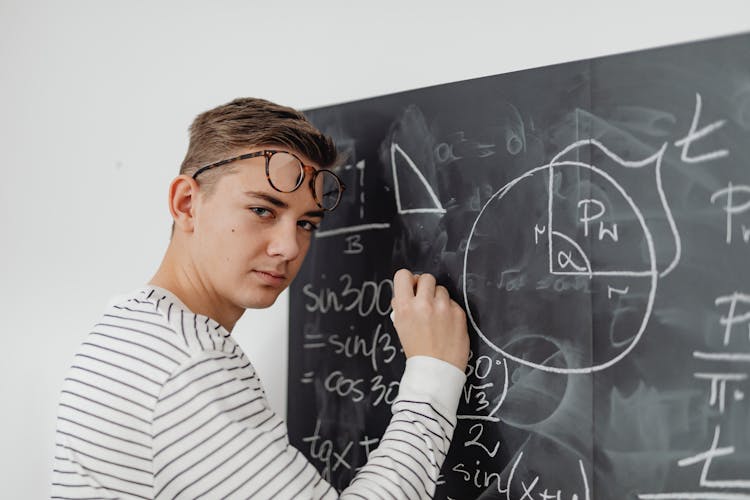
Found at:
<point>426,286</point>
<point>441,293</point>
<point>427,321</point>
<point>403,284</point>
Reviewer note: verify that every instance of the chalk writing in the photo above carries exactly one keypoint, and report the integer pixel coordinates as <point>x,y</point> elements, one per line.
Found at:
<point>593,220</point>
<point>733,209</point>
<point>367,346</point>
<point>368,298</point>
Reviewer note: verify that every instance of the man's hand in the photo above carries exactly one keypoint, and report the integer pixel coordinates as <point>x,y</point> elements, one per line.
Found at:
<point>427,320</point>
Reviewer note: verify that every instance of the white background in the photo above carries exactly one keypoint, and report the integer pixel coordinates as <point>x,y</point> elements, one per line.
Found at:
<point>95,100</point>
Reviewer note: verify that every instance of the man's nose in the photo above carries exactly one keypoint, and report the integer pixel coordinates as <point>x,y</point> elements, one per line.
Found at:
<point>284,240</point>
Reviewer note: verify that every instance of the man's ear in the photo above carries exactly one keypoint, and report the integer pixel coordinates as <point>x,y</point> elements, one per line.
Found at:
<point>183,192</point>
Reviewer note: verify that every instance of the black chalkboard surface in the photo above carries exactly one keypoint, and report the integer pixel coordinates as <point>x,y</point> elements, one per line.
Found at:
<point>593,218</point>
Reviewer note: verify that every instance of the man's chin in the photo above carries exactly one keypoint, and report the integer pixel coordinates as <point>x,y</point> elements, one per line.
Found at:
<point>261,301</point>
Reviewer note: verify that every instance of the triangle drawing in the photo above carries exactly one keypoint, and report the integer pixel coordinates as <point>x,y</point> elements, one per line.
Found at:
<point>431,199</point>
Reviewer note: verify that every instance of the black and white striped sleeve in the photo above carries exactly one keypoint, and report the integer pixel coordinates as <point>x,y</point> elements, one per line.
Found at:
<point>215,436</point>
<point>406,464</point>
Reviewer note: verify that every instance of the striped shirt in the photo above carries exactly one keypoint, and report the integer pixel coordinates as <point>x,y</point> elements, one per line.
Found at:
<point>162,403</point>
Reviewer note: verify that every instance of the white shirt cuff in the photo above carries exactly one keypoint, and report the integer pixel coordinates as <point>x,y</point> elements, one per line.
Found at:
<point>434,379</point>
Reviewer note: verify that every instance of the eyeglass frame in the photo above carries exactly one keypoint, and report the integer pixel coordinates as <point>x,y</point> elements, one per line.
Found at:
<point>267,154</point>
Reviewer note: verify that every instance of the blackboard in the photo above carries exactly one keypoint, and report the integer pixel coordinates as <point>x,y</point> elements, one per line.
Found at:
<point>593,218</point>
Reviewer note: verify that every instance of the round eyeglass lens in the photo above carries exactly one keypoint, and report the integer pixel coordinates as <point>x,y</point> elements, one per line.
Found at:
<point>285,172</point>
<point>327,189</point>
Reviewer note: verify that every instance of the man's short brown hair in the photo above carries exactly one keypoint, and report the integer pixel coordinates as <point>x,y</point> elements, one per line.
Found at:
<point>248,122</point>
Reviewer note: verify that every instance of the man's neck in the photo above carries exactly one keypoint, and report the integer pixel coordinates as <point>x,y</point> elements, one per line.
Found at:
<point>183,281</point>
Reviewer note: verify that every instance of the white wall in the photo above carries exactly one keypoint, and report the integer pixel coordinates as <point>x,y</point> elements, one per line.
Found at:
<point>95,100</point>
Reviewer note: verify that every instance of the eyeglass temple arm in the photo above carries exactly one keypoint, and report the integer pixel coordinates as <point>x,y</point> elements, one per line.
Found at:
<point>228,160</point>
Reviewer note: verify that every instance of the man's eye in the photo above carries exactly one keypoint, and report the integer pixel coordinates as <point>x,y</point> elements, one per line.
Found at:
<point>261,212</point>
<point>307,225</point>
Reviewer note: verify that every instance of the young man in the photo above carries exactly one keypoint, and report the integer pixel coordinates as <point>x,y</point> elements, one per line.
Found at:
<point>160,402</point>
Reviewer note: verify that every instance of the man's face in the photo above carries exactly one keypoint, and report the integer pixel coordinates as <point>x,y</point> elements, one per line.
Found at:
<point>249,240</point>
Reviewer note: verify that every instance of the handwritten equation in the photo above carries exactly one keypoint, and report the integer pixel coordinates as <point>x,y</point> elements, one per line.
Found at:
<point>602,262</point>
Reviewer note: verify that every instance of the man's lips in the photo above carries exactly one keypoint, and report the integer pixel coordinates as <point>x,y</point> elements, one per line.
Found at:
<point>272,273</point>
<point>271,276</point>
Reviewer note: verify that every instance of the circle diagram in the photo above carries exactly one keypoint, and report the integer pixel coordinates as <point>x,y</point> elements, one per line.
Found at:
<point>560,270</point>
